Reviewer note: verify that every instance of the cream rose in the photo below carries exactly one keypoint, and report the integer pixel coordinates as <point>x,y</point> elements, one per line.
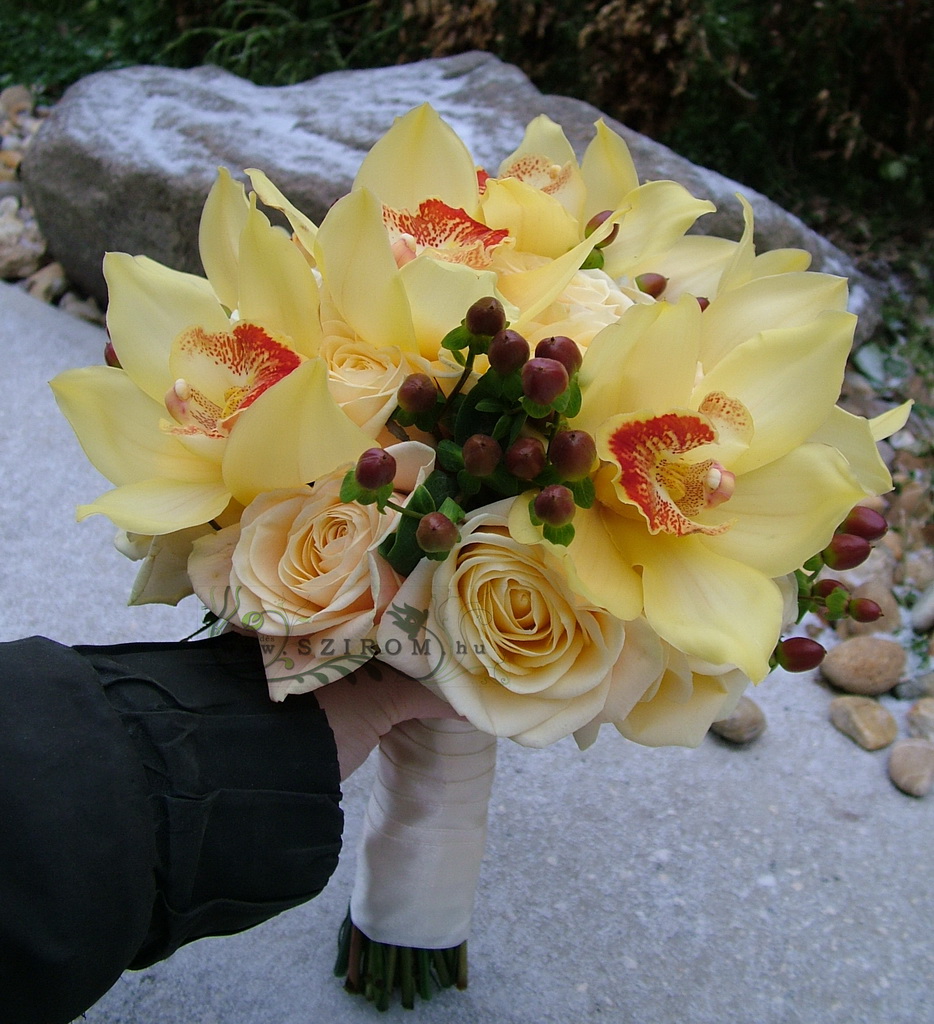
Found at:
<point>497,631</point>
<point>301,569</point>
<point>686,696</point>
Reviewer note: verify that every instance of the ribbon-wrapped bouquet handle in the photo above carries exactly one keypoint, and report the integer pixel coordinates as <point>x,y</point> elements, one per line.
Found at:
<point>419,860</point>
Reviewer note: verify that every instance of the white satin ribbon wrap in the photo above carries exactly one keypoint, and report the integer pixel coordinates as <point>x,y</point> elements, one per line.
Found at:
<point>424,833</point>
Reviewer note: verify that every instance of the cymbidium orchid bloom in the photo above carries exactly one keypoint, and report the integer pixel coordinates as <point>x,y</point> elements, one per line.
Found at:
<point>714,479</point>
<point>419,236</point>
<point>211,370</point>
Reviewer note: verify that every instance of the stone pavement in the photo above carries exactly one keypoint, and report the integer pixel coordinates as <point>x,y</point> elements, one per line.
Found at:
<point>782,883</point>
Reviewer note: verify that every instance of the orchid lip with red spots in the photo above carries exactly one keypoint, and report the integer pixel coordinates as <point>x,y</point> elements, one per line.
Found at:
<point>654,475</point>
<point>449,234</point>
<point>226,373</point>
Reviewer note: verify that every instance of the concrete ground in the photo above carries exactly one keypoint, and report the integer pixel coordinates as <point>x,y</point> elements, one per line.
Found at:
<point>783,882</point>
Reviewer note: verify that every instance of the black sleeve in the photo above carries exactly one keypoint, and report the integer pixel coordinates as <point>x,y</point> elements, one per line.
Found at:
<point>150,794</point>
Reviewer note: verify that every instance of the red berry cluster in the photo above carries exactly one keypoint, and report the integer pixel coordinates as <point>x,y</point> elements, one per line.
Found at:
<point>830,598</point>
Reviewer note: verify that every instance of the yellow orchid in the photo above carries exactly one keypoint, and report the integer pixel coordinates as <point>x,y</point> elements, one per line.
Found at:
<point>714,479</point>
<point>547,200</point>
<point>210,370</point>
<point>421,236</point>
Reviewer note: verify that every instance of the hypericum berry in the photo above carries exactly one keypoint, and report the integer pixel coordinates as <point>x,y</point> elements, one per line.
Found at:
<point>375,468</point>
<point>481,454</point>
<point>554,505</point>
<point>825,587</point>
<point>652,284</point>
<point>435,533</point>
<point>865,522</point>
<point>703,302</point>
<point>110,354</point>
<point>563,349</point>
<point>525,458</point>
<point>543,380</point>
<point>862,609</point>
<point>508,351</point>
<point>485,316</point>
<point>417,393</point>
<point>846,551</point>
<point>572,453</point>
<point>595,221</point>
<point>799,654</point>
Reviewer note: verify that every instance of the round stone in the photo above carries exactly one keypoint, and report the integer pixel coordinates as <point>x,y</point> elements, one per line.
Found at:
<point>922,614</point>
<point>911,766</point>
<point>867,665</point>
<point>745,724</point>
<point>864,720</point>
<point>920,719</point>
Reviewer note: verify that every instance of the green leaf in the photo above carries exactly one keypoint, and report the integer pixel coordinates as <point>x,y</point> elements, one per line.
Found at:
<point>583,490</point>
<point>452,510</point>
<point>533,518</point>
<point>350,489</point>
<point>535,409</point>
<point>469,485</point>
<point>400,548</point>
<point>572,406</point>
<point>489,405</point>
<point>457,339</point>
<point>562,535</point>
<point>594,261</point>
<point>450,456</point>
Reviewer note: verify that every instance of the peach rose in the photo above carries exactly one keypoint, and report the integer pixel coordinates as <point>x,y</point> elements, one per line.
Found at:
<point>497,631</point>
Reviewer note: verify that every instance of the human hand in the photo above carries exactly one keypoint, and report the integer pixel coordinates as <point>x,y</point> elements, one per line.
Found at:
<point>361,709</point>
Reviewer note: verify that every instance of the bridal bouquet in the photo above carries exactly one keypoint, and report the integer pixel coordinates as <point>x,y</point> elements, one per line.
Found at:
<point>517,435</point>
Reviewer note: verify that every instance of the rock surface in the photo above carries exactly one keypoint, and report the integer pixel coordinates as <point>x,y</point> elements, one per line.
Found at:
<point>745,724</point>
<point>920,719</point>
<point>127,157</point>
<point>864,720</point>
<point>866,665</point>
<point>911,766</point>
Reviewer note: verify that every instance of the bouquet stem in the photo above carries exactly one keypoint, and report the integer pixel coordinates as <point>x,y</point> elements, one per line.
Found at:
<point>419,862</point>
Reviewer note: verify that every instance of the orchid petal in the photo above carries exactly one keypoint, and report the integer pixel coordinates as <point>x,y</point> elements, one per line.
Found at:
<point>854,437</point>
<point>222,219</point>
<point>788,300</point>
<point>646,362</point>
<point>534,290</point>
<point>694,264</point>
<point>119,428</point>
<point>353,253</point>
<point>547,161</point>
<point>537,221</point>
<point>304,228</point>
<point>420,157</point>
<point>888,423</point>
<point>159,506</point>
<point>277,287</point>
<point>150,305</point>
<point>262,456</point>
<point>608,171</point>
<point>787,379</point>
<point>739,270</point>
<point>706,605</point>
<point>660,212</point>
<point>439,294</point>
<point>163,576</point>
<point>784,512</point>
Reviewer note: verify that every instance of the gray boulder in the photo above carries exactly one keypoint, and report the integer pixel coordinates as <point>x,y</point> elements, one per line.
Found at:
<point>127,157</point>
